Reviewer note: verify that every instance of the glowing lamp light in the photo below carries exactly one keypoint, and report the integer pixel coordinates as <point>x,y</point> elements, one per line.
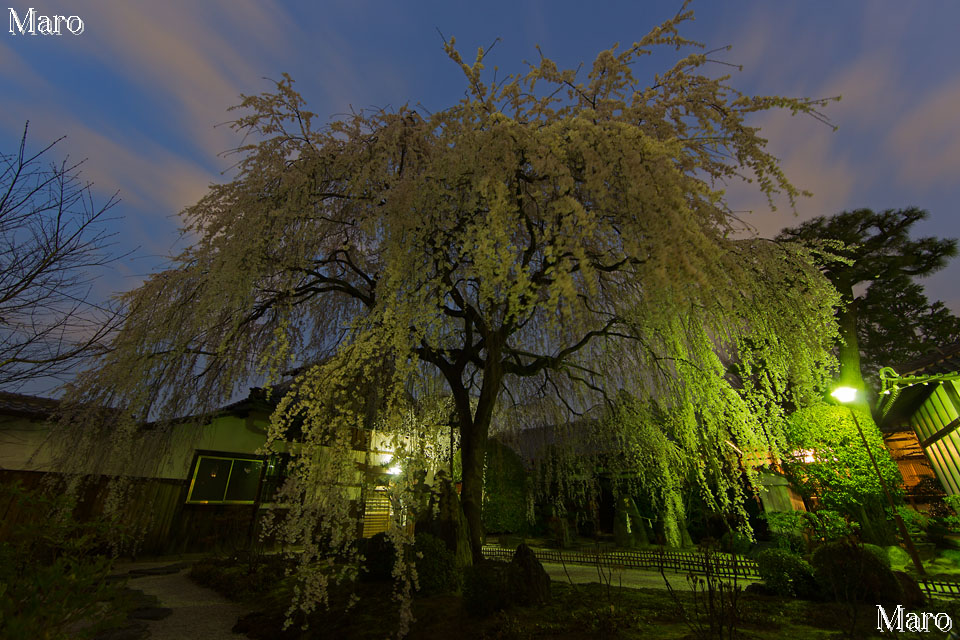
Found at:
<point>394,469</point>
<point>844,394</point>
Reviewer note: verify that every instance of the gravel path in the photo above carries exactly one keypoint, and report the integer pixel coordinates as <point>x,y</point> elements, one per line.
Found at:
<point>197,612</point>
<point>633,578</point>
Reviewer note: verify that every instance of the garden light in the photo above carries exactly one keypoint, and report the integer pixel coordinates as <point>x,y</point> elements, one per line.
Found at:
<point>393,469</point>
<point>845,395</point>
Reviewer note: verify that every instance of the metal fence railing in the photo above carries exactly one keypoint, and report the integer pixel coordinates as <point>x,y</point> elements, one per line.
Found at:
<point>685,562</point>
<point>940,588</point>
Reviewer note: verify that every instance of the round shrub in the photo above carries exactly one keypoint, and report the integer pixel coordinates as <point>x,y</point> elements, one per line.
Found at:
<point>786,574</point>
<point>735,542</point>
<point>436,569</point>
<point>792,542</point>
<point>851,573</point>
<point>880,552</point>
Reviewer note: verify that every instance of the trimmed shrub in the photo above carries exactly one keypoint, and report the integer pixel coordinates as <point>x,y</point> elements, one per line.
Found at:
<point>238,579</point>
<point>851,573</point>
<point>792,542</point>
<point>786,574</point>
<point>898,557</point>
<point>735,542</point>
<point>437,571</point>
<point>878,551</point>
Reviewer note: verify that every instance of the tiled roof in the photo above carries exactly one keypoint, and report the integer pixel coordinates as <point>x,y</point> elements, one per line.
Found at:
<point>30,406</point>
<point>913,382</point>
<point>943,360</point>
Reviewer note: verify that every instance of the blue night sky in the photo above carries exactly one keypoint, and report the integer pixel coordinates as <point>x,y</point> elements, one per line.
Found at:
<point>141,91</point>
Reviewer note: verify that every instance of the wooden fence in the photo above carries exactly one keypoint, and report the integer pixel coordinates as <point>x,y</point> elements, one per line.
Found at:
<point>154,508</point>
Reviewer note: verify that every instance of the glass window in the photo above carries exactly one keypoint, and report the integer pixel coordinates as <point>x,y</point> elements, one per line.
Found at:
<point>274,477</point>
<point>222,479</point>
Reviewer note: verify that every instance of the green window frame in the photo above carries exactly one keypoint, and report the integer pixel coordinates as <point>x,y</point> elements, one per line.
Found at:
<point>224,479</point>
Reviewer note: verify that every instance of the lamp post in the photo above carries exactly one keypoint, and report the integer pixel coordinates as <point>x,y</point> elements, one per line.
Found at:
<point>845,395</point>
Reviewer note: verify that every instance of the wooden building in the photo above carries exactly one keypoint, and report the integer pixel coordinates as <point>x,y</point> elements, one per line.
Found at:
<point>207,490</point>
<point>919,413</point>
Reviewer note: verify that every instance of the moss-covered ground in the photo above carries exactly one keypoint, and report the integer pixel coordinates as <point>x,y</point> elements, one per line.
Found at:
<point>576,611</point>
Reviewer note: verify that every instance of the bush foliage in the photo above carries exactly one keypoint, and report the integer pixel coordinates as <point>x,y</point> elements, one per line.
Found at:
<point>849,572</point>
<point>437,571</point>
<point>53,576</point>
<point>841,474</point>
<point>786,573</point>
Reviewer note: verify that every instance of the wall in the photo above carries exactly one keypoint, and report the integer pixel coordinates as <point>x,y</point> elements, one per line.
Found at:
<point>935,424</point>
<point>162,471</point>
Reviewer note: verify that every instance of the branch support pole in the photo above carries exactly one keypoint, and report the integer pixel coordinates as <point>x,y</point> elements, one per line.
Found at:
<point>907,540</point>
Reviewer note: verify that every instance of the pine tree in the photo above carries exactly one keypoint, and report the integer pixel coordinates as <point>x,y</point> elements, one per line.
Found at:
<point>891,320</point>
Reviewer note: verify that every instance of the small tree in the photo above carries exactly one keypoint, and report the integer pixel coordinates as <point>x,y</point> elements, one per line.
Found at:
<point>51,238</point>
<point>834,466</point>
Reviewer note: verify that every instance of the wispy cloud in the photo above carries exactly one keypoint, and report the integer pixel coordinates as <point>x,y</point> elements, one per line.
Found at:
<point>153,177</point>
<point>808,156</point>
<point>15,70</point>
<point>840,167</point>
<point>175,51</point>
<point>925,143</point>
<point>153,180</point>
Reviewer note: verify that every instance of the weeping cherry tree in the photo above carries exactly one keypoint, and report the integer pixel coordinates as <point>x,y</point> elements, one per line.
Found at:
<point>548,240</point>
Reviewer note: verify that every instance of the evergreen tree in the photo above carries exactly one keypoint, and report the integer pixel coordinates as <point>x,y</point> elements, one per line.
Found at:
<point>897,324</point>
<point>890,318</point>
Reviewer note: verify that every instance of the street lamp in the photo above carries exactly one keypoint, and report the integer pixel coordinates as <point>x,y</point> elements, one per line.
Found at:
<point>846,395</point>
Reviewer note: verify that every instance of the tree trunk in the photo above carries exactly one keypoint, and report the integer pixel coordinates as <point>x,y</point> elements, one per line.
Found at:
<point>850,372</point>
<point>473,441</point>
<point>474,431</point>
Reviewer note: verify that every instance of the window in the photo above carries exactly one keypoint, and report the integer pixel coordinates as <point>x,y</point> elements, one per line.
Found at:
<point>274,477</point>
<point>224,479</point>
